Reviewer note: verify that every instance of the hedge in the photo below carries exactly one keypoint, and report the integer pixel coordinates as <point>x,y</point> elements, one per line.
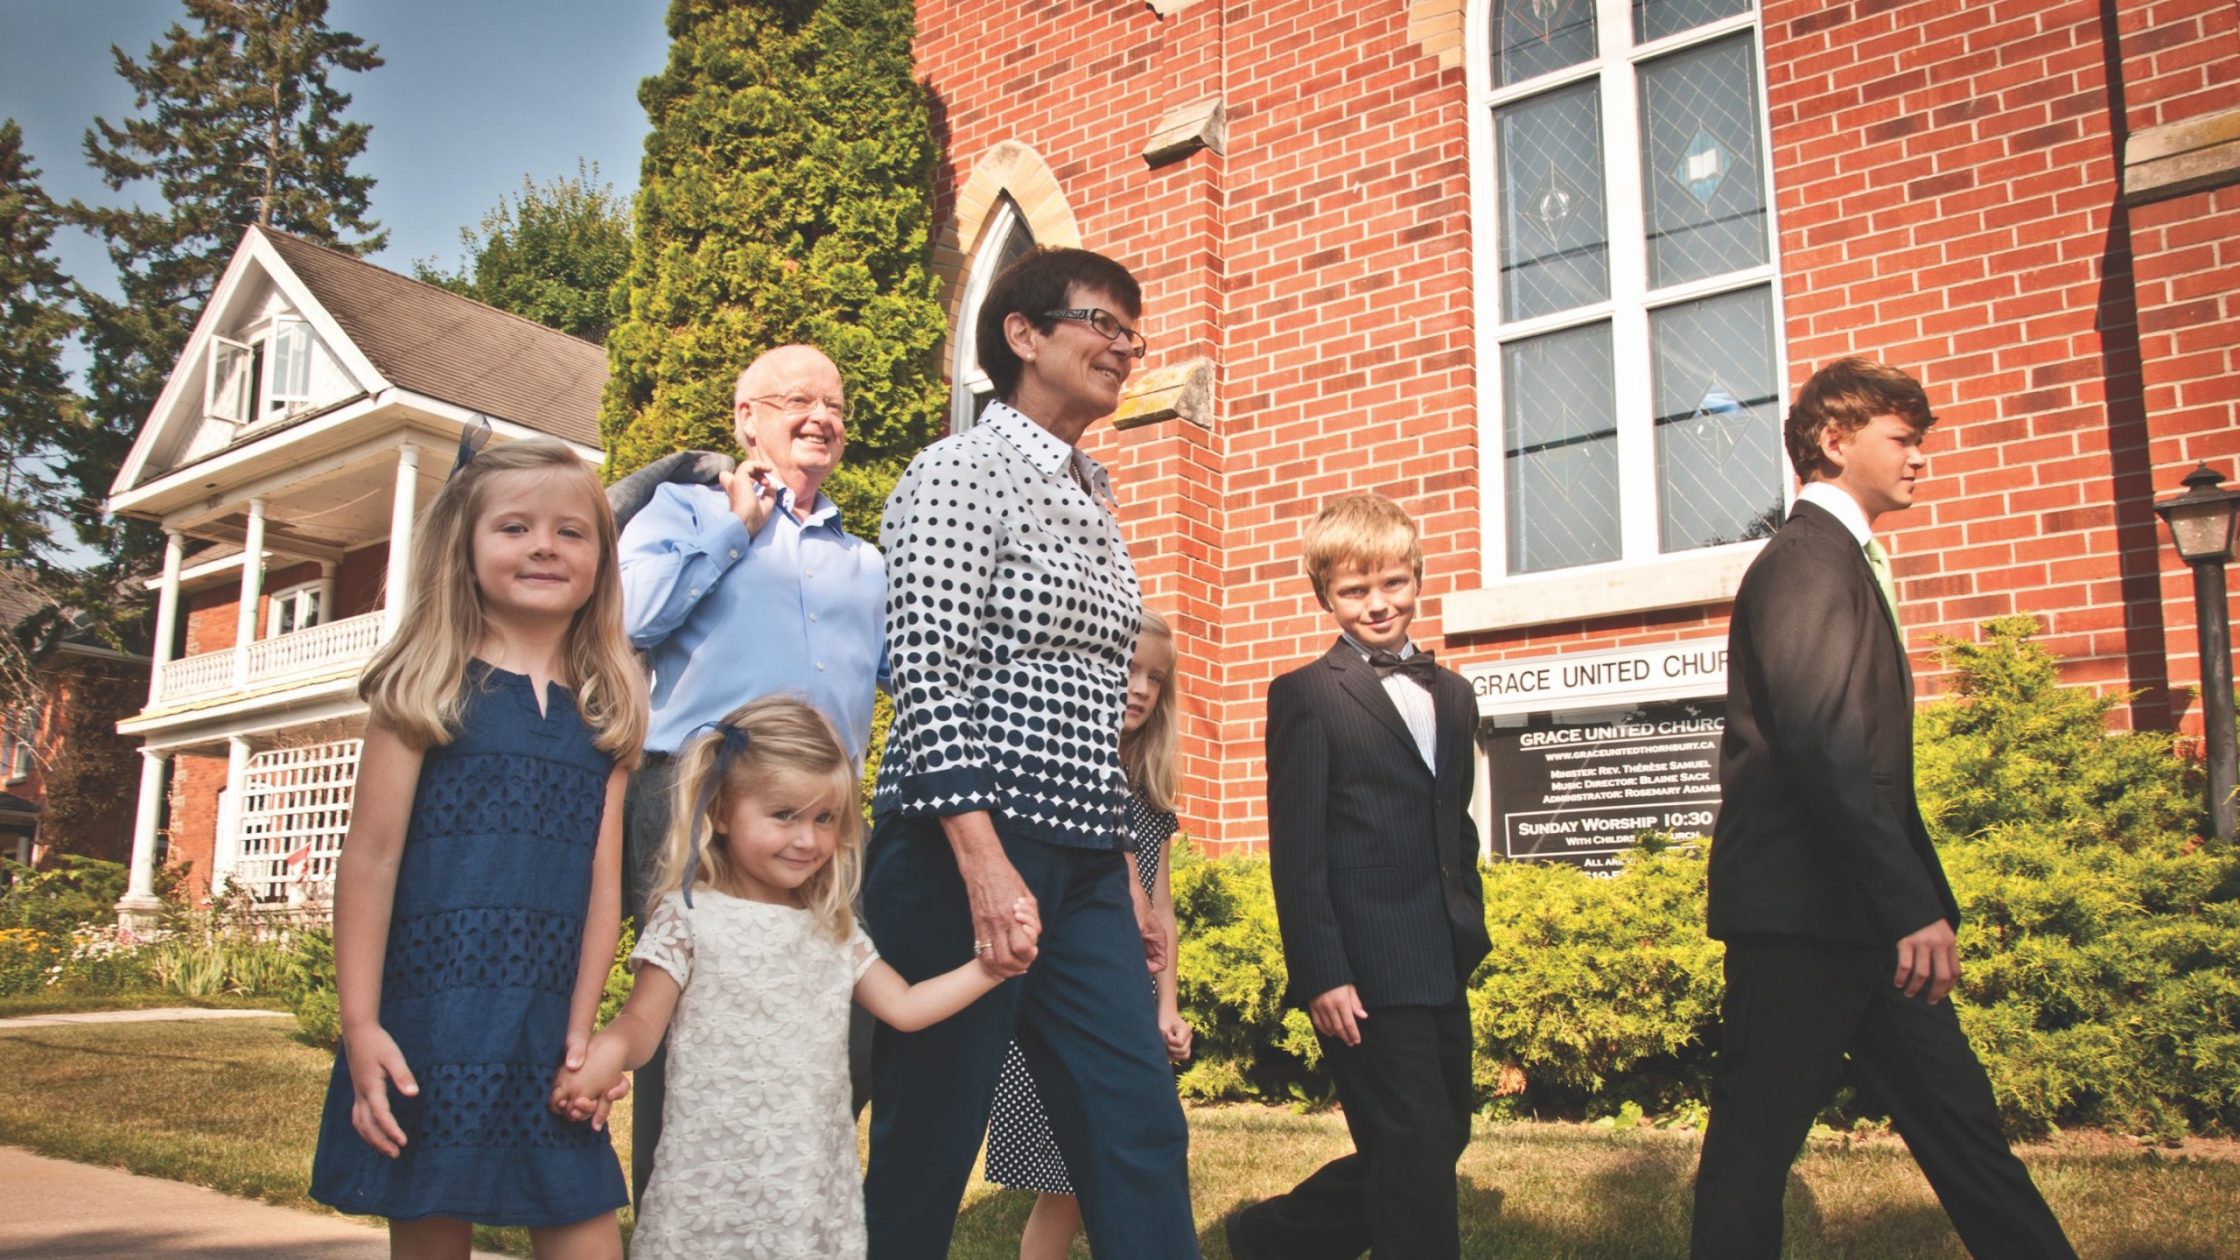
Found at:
<point>2100,943</point>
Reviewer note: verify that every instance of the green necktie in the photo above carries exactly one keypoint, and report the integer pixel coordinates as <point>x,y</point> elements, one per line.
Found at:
<point>1879,561</point>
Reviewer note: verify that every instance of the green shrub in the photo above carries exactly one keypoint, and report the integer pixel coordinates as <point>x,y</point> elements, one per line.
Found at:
<point>1230,980</point>
<point>2100,943</point>
<point>1598,992</point>
<point>618,977</point>
<point>318,1018</point>
<point>76,890</point>
<point>2100,939</point>
<point>309,978</point>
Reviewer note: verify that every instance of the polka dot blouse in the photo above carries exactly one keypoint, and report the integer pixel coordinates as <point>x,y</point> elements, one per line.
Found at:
<point>1012,611</point>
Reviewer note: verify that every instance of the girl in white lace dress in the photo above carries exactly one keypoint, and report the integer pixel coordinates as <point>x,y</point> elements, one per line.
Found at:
<point>747,962</point>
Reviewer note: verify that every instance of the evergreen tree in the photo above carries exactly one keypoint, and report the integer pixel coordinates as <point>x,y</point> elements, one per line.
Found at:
<point>552,254</point>
<point>36,404</point>
<point>239,124</point>
<point>785,198</point>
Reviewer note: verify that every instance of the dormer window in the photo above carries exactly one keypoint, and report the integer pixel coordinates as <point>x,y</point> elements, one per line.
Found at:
<point>265,378</point>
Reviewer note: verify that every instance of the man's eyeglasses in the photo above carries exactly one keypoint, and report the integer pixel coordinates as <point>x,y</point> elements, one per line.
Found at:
<point>795,406</point>
<point>1106,326</point>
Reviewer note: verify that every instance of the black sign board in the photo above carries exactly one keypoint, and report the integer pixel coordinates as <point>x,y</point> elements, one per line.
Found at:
<point>1580,785</point>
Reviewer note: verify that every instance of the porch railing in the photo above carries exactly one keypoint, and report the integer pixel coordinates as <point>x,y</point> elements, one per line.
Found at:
<point>318,649</point>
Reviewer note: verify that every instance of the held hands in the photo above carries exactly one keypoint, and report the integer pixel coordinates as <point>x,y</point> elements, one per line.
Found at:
<point>1929,957</point>
<point>1006,922</point>
<point>590,1082</point>
<point>376,1063</point>
<point>1338,1014</point>
<point>752,491</point>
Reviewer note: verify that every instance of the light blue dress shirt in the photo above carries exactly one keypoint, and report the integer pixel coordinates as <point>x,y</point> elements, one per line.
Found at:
<point>798,609</point>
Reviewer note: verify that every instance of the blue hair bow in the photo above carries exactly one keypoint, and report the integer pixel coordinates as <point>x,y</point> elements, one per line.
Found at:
<point>734,743</point>
<point>471,441</point>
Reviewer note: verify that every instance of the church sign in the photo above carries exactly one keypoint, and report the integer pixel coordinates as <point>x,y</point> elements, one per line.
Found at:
<point>1588,750</point>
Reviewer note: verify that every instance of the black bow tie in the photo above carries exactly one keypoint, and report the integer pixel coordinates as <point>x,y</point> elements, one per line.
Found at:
<point>1418,668</point>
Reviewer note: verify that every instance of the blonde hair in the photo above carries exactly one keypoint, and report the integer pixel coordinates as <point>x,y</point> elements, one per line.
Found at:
<point>1361,530</point>
<point>414,684</point>
<point>1147,752</point>
<point>786,744</point>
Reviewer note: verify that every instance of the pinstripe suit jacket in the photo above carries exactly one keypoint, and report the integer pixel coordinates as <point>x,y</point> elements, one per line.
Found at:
<point>1374,855</point>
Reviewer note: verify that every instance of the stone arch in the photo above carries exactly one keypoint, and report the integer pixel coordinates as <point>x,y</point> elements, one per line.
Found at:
<point>1011,169</point>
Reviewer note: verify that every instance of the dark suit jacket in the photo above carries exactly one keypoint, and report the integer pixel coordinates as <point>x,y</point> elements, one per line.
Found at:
<point>1374,857</point>
<point>1818,832</point>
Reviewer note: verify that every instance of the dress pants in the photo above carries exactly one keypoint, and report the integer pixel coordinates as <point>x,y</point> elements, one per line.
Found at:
<point>1793,1008</point>
<point>1083,1017</point>
<point>647,807</point>
<point>1406,1094</point>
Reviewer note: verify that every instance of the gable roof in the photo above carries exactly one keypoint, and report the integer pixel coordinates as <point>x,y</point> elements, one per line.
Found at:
<point>435,342</point>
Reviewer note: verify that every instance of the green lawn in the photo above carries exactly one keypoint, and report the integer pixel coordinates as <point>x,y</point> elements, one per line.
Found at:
<point>139,999</point>
<point>235,1105</point>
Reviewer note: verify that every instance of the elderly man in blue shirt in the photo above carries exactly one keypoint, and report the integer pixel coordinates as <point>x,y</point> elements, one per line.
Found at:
<point>747,588</point>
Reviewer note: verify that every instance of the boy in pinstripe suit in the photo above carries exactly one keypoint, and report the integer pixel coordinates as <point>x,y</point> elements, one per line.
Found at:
<point>1375,862</point>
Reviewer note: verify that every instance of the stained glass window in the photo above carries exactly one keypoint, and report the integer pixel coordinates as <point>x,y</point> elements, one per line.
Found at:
<point>1555,239</point>
<point>1655,19</point>
<point>1562,457</point>
<point>1706,206</point>
<point>1718,419</point>
<point>1536,37</point>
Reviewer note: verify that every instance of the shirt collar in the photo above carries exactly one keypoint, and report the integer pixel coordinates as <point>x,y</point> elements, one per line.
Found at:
<point>1842,506</point>
<point>1048,455</point>
<point>823,511</point>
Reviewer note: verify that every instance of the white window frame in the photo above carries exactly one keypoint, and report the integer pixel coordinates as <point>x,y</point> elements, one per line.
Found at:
<point>296,594</point>
<point>276,402</point>
<point>19,750</point>
<point>1662,579</point>
<point>965,374</point>
<point>213,386</point>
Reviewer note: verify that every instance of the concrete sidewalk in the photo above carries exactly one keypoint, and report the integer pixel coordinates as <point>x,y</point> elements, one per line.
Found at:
<point>139,1017</point>
<point>52,1209</point>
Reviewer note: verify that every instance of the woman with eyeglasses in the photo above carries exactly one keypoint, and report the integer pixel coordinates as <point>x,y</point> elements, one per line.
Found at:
<point>1012,613</point>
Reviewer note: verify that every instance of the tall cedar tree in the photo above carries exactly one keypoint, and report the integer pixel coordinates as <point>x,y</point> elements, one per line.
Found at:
<point>239,124</point>
<point>36,403</point>
<point>785,198</point>
<point>553,253</point>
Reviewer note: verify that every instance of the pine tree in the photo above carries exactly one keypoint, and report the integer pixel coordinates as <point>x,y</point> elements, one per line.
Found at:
<point>553,253</point>
<point>36,403</point>
<point>239,124</point>
<point>785,198</point>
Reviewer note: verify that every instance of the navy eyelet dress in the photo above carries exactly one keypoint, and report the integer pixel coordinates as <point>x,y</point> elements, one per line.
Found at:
<point>484,940</point>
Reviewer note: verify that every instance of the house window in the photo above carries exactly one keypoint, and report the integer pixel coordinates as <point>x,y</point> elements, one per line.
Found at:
<point>1006,240</point>
<point>1622,165</point>
<point>292,609</point>
<point>229,381</point>
<point>19,742</point>
<point>287,361</point>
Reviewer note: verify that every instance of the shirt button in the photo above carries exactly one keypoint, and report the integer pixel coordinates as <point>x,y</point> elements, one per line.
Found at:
<point>812,616</point>
<point>808,573</point>
<point>734,553</point>
<point>820,664</point>
<point>694,592</point>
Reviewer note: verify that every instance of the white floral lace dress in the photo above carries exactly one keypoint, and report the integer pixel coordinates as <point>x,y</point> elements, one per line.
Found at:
<point>758,1148</point>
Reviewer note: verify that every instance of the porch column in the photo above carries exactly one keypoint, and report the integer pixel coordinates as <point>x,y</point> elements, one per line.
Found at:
<point>140,905</point>
<point>167,612</point>
<point>326,593</point>
<point>252,586</point>
<point>227,850</point>
<point>400,539</point>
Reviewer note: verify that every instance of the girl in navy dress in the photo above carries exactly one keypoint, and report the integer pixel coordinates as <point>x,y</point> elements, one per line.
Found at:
<point>1022,1153</point>
<point>477,897</point>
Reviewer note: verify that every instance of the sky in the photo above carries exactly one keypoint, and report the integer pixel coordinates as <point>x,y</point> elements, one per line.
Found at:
<point>476,95</point>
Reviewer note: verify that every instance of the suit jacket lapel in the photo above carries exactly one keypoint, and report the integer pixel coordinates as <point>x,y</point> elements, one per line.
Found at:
<point>1361,682</point>
<point>1822,519</point>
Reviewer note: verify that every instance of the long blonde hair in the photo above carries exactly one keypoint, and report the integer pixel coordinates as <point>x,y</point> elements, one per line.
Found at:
<point>413,685</point>
<point>778,742</point>
<point>1147,753</point>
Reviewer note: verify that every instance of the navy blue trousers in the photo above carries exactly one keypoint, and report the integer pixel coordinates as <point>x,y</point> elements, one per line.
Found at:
<point>1082,1016</point>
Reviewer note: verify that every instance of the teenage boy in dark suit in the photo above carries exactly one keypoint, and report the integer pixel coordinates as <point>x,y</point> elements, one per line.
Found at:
<point>1375,863</point>
<point>1837,918</point>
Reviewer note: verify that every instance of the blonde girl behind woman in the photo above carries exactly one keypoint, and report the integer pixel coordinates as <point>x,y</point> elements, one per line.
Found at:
<point>477,892</point>
<point>1020,1149</point>
<point>747,963</point>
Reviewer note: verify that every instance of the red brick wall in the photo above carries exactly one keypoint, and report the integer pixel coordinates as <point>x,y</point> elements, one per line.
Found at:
<point>1948,188</point>
<point>358,580</point>
<point>193,834</point>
